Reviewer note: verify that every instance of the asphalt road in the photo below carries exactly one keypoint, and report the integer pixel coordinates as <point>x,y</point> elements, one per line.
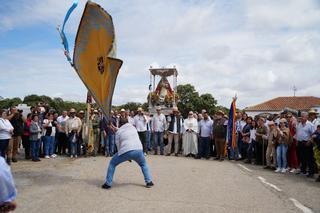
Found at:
<point>181,185</point>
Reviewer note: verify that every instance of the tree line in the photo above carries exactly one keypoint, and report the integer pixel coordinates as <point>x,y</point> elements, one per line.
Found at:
<point>190,100</point>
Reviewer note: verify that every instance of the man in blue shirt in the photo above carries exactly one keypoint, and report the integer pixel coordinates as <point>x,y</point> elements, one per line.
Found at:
<point>8,191</point>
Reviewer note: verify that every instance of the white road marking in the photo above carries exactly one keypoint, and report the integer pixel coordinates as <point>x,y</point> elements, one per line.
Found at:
<point>263,180</point>
<point>244,167</point>
<point>303,208</point>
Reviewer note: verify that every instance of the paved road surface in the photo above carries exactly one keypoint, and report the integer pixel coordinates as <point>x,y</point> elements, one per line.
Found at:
<point>181,185</point>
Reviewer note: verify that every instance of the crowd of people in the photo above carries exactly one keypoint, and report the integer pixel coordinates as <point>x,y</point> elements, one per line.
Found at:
<point>284,142</point>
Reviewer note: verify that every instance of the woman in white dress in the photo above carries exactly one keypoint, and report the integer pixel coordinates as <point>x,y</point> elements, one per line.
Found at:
<point>190,138</point>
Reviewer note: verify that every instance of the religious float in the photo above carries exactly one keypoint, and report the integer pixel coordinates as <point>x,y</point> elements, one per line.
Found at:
<point>163,94</point>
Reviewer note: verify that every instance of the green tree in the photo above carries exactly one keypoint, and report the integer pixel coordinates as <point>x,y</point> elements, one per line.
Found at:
<point>189,98</point>
<point>7,103</point>
<point>207,102</point>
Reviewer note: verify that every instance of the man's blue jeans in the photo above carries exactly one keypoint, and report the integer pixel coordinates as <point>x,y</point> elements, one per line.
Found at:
<point>48,145</point>
<point>282,156</point>
<point>137,156</point>
<point>35,146</point>
<point>158,140</point>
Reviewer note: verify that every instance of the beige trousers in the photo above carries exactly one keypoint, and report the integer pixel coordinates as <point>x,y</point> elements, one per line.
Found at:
<point>271,155</point>
<point>13,147</point>
<point>175,139</point>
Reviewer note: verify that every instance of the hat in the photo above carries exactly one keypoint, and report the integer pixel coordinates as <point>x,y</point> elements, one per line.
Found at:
<point>270,123</point>
<point>72,110</point>
<point>283,120</point>
<point>81,112</point>
<point>175,109</point>
<point>220,112</point>
<point>313,111</point>
<point>289,114</point>
<point>158,108</point>
<point>139,109</point>
<point>95,111</point>
<point>122,110</point>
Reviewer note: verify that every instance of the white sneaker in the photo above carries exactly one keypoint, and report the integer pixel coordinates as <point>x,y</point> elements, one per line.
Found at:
<point>53,156</point>
<point>76,156</point>
<point>71,156</point>
<point>283,170</point>
<point>278,170</point>
<point>47,157</point>
<point>293,171</point>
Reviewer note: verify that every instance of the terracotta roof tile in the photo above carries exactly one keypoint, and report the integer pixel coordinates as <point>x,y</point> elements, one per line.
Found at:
<point>278,104</point>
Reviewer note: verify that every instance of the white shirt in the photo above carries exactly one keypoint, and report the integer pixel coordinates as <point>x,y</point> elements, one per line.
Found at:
<point>305,131</point>
<point>315,123</point>
<point>127,139</point>
<point>140,122</point>
<point>158,122</point>
<point>206,127</point>
<point>252,134</point>
<point>5,128</point>
<point>191,123</point>
<point>175,125</point>
<point>53,132</point>
<point>130,120</point>
<point>8,191</point>
<point>62,122</point>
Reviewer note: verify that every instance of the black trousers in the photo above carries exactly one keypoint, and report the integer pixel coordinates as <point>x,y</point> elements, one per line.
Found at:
<point>63,143</point>
<point>306,157</point>
<point>26,146</point>
<point>143,139</point>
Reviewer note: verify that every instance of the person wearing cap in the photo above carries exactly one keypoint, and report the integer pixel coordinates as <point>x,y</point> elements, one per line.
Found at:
<point>272,139</point>
<point>206,128</point>
<point>140,122</point>
<point>282,146</point>
<point>292,150</point>
<point>313,117</point>
<point>96,119</point>
<point>73,128</point>
<point>305,130</point>
<point>219,135</point>
<point>174,131</point>
<point>261,146</point>
<point>158,127</point>
<point>129,148</point>
<point>190,138</point>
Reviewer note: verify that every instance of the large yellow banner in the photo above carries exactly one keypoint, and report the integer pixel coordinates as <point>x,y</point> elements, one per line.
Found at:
<point>94,55</point>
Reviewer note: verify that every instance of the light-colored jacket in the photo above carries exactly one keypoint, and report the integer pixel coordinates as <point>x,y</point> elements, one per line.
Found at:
<point>127,139</point>
<point>34,131</point>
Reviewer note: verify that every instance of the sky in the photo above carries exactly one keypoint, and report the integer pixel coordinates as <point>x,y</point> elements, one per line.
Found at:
<point>257,50</point>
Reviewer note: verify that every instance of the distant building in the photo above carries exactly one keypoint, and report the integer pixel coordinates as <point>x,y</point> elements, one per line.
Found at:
<point>278,105</point>
<point>25,108</point>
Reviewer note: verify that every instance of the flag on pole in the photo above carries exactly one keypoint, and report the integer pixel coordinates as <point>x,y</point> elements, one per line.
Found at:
<point>232,125</point>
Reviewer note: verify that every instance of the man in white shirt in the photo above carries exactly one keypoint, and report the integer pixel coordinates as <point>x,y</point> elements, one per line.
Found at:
<point>304,133</point>
<point>129,148</point>
<point>140,122</point>
<point>158,127</point>
<point>313,117</point>
<point>62,136</point>
<point>174,131</point>
<point>206,127</point>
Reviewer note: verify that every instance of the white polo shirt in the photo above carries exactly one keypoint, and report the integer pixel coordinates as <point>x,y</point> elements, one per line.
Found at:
<point>140,122</point>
